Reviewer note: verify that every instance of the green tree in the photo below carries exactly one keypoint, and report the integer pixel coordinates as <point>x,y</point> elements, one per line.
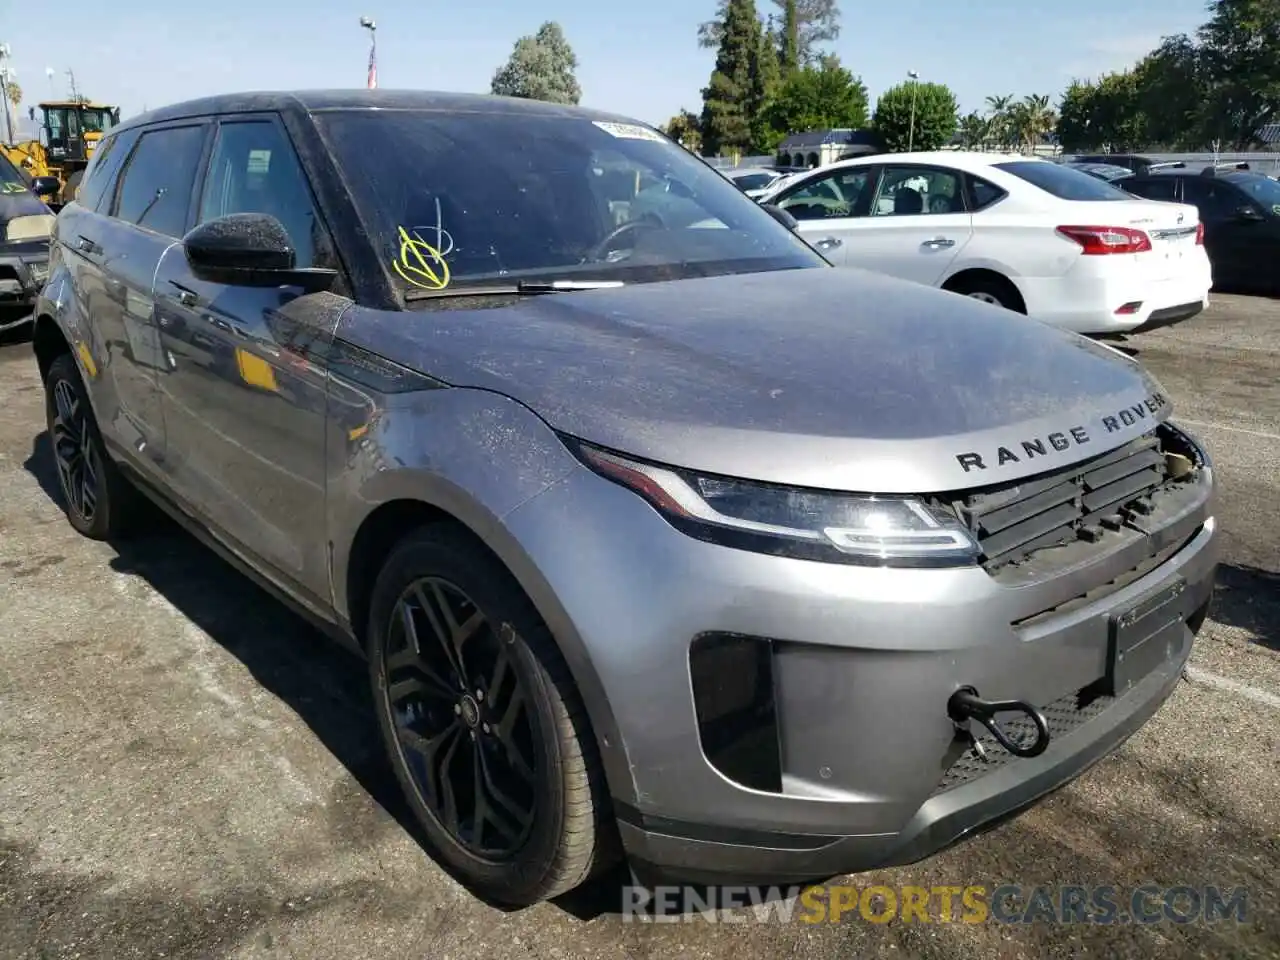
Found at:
<point>766,79</point>
<point>1239,51</point>
<point>998,108</point>
<point>730,97</point>
<point>789,43</point>
<point>975,131</point>
<point>817,98</point>
<point>1172,90</point>
<point>685,129</point>
<point>1076,117</point>
<point>541,67</point>
<point>934,116</point>
<point>816,22</point>
<point>1031,120</point>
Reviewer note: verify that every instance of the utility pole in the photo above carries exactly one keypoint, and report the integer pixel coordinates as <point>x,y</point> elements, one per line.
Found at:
<point>372,27</point>
<point>911,134</point>
<point>6,74</point>
<point>71,79</point>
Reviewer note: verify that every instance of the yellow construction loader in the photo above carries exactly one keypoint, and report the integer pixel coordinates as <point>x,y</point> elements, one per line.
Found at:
<point>69,130</point>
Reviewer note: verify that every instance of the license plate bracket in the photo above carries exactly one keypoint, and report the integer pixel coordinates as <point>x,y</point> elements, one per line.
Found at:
<point>1144,636</point>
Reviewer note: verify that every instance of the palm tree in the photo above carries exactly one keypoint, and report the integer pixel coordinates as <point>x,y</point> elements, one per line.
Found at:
<point>975,131</point>
<point>998,116</point>
<point>1036,120</point>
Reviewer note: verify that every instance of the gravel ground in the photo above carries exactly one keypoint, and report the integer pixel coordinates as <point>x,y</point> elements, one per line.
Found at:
<point>187,770</point>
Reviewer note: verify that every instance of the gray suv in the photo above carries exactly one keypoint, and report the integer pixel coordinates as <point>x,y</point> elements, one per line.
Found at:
<point>661,541</point>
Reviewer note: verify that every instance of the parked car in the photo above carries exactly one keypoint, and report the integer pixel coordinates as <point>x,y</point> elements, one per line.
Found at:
<point>582,493</point>
<point>1031,235</point>
<point>1240,210</point>
<point>25,223</point>
<point>1130,161</point>
<point>753,181</point>
<point>1107,172</point>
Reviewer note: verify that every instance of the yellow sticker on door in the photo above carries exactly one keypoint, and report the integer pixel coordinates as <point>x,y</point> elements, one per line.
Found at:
<point>255,371</point>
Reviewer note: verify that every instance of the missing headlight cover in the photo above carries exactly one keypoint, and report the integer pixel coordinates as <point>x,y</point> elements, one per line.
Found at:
<point>792,521</point>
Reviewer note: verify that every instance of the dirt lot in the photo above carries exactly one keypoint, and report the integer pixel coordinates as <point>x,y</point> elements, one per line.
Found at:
<point>186,770</point>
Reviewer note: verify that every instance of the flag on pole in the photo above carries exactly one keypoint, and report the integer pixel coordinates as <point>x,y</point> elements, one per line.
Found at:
<point>373,67</point>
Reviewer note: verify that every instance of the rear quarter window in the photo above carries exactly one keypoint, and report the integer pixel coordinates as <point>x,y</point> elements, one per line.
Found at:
<point>1061,182</point>
<point>983,193</point>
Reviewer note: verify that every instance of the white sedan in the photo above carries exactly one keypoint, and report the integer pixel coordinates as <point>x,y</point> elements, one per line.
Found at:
<point>1028,234</point>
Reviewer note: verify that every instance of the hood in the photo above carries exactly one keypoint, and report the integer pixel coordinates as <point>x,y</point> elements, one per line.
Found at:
<point>24,204</point>
<point>830,378</point>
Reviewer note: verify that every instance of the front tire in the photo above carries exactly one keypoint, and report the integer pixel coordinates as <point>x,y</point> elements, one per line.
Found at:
<point>99,502</point>
<point>482,723</point>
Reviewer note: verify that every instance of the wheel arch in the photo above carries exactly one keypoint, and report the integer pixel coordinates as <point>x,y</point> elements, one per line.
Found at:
<point>387,523</point>
<point>49,342</point>
<point>963,279</point>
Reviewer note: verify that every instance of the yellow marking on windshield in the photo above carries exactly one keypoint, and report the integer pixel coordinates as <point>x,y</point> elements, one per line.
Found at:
<point>10,186</point>
<point>420,263</point>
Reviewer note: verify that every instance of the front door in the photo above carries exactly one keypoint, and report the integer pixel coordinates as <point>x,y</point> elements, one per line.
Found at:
<point>243,394</point>
<point>827,206</point>
<point>916,226</point>
<point>145,214</point>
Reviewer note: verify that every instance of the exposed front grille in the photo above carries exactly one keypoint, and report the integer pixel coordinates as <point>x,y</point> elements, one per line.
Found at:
<point>1082,501</point>
<point>1063,715</point>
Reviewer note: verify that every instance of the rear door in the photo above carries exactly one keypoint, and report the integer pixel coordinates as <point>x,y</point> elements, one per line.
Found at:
<point>1228,240</point>
<point>146,211</point>
<point>244,388</point>
<point>917,224</point>
<point>829,207</point>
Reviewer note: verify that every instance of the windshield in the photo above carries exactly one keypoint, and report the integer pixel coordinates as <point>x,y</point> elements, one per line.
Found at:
<point>97,121</point>
<point>11,181</point>
<point>456,198</point>
<point>1262,190</point>
<point>1062,182</point>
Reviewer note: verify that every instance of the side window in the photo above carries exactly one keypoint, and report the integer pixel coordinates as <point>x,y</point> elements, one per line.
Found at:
<point>253,169</point>
<point>1215,201</point>
<point>912,191</point>
<point>100,176</point>
<point>984,193</point>
<point>1156,188</point>
<point>838,194</point>
<point>156,190</point>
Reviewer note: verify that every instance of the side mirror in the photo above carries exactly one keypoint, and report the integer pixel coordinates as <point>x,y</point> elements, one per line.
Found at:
<point>784,218</point>
<point>1249,212</point>
<point>250,250</point>
<point>45,187</point>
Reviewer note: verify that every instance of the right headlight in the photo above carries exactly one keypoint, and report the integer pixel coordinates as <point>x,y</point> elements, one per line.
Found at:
<point>793,521</point>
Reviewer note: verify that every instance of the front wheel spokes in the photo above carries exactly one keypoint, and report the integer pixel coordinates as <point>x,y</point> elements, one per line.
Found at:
<point>493,806</point>
<point>433,599</point>
<point>437,755</point>
<point>507,703</point>
<point>412,659</point>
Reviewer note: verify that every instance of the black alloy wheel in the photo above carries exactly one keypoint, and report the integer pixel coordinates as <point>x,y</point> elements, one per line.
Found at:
<point>99,501</point>
<point>482,722</point>
<point>461,719</point>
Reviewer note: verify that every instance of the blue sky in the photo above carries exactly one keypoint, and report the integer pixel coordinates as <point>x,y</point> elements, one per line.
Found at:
<point>639,59</point>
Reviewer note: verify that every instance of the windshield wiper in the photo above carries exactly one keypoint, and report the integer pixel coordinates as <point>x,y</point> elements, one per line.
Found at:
<point>524,288</point>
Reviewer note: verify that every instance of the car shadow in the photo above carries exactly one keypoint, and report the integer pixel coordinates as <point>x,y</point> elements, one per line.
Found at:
<point>322,682</point>
<point>1249,598</point>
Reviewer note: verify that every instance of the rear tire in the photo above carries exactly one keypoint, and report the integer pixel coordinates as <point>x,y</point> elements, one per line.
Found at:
<point>474,701</point>
<point>993,290</point>
<point>99,501</point>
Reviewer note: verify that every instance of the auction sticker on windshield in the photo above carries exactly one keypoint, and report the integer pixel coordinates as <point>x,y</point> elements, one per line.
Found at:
<point>628,131</point>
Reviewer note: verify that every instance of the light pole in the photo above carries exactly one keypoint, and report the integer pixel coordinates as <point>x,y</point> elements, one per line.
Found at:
<point>911,133</point>
<point>7,73</point>
<point>372,27</point>
<point>50,72</point>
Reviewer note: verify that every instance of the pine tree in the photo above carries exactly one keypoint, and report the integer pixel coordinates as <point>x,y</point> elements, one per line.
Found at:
<point>789,50</point>
<point>766,80</point>
<point>727,100</point>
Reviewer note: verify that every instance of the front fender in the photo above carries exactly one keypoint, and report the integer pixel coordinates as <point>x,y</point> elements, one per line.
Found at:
<point>476,455</point>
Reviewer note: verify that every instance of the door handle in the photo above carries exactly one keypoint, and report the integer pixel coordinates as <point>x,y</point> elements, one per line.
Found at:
<point>938,243</point>
<point>85,245</point>
<point>186,297</point>
<point>828,243</point>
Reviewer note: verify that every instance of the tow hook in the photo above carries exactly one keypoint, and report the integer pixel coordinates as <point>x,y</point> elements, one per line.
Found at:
<point>966,705</point>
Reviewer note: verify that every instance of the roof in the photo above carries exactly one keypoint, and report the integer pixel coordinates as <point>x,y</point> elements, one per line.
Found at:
<point>310,101</point>
<point>956,159</point>
<point>818,138</point>
<point>86,104</point>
